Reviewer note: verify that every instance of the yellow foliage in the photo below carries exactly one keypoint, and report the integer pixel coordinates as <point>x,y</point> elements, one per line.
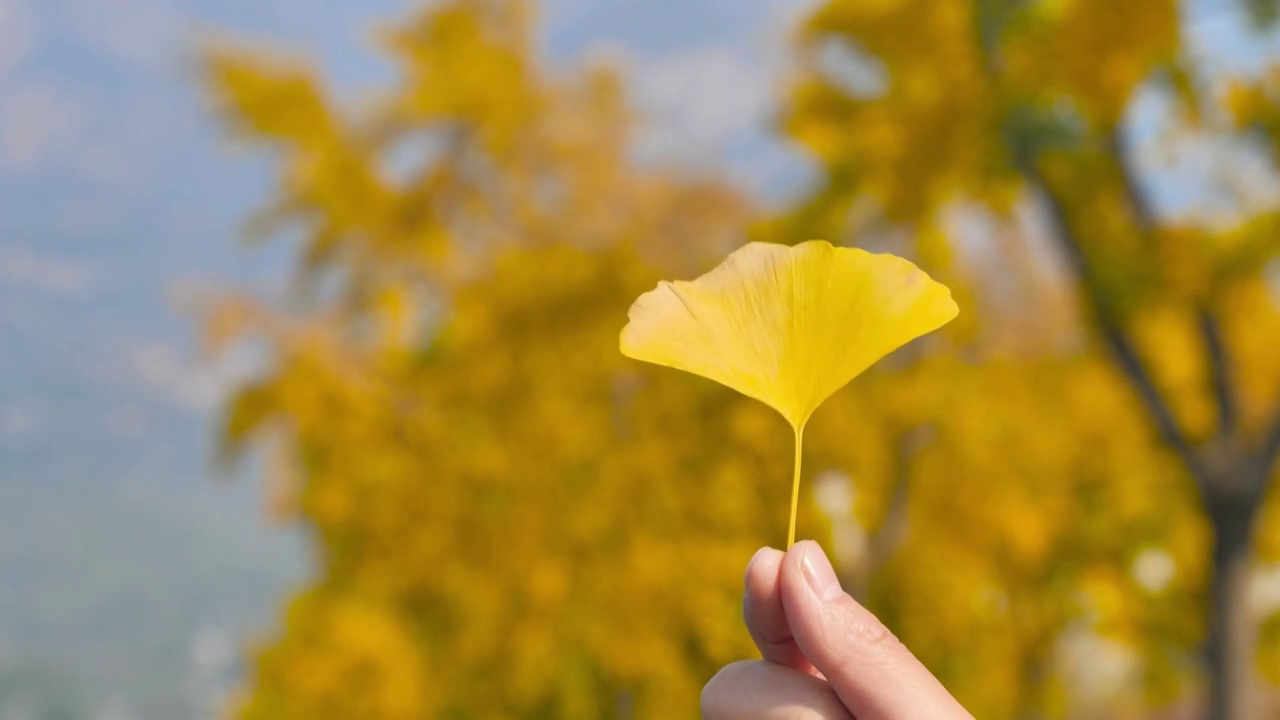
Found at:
<point>512,520</point>
<point>1010,110</point>
<point>1094,54</point>
<point>360,662</point>
<point>926,138</point>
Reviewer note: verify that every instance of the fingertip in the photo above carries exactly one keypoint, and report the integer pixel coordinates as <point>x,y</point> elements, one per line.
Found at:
<point>800,546</point>
<point>811,593</point>
<point>796,571</point>
<point>763,565</point>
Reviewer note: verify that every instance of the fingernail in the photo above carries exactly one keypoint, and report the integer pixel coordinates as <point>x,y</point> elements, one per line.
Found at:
<point>819,573</point>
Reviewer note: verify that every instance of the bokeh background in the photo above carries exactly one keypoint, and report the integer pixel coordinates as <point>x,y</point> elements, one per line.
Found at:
<point>311,405</point>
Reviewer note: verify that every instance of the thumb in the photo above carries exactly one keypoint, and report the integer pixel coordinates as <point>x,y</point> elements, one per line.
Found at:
<point>873,673</point>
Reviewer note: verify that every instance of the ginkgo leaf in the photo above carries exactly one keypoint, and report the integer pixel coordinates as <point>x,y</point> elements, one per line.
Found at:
<point>788,326</point>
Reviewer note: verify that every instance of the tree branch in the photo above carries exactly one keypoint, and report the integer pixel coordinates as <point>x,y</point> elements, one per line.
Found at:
<point>893,524</point>
<point>1210,329</point>
<point>1270,449</point>
<point>885,540</point>
<point>1143,215</point>
<point>1219,368</point>
<point>1120,346</point>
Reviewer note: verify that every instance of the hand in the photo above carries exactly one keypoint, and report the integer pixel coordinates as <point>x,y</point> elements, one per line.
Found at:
<point>825,656</point>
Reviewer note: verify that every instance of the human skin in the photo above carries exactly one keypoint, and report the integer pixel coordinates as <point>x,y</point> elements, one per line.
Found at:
<point>825,657</point>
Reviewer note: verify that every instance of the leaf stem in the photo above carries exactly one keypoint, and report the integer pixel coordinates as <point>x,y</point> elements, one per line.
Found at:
<point>795,488</point>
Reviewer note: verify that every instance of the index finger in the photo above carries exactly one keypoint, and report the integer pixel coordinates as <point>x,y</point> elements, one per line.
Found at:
<point>763,612</point>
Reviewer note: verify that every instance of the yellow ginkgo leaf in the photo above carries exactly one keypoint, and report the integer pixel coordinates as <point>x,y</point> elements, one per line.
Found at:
<point>787,325</point>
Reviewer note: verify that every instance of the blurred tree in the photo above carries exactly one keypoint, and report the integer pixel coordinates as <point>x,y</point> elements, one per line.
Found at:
<point>506,511</point>
<point>503,506</point>
<point>1016,118</point>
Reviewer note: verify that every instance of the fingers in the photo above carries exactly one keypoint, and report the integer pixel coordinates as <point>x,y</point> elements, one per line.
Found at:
<point>760,690</point>
<point>873,673</point>
<point>762,610</point>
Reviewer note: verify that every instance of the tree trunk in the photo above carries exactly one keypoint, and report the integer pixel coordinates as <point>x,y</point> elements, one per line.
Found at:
<point>1229,646</point>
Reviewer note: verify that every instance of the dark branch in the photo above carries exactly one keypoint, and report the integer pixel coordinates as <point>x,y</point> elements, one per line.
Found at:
<point>885,540</point>
<point>1219,367</point>
<point>1143,216</point>
<point>1120,346</point>
<point>893,525</point>
<point>1210,330</point>
<point>1270,448</point>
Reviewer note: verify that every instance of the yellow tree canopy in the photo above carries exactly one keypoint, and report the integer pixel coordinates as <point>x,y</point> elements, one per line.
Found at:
<point>511,519</point>
<point>928,119</point>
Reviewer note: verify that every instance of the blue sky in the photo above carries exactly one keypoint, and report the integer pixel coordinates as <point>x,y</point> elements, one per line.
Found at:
<point>117,192</point>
